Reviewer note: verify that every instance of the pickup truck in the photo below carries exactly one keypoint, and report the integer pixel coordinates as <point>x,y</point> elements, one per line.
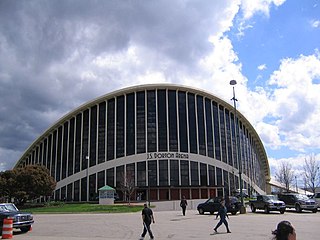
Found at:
<point>21,220</point>
<point>267,203</point>
<point>316,197</point>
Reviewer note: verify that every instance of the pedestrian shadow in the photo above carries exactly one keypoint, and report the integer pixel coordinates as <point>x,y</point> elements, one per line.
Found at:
<point>218,233</point>
<point>179,219</point>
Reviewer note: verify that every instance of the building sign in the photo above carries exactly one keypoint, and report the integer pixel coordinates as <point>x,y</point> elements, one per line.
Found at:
<point>167,155</point>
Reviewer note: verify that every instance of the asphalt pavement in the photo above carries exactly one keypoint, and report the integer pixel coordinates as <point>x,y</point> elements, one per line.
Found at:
<point>169,225</point>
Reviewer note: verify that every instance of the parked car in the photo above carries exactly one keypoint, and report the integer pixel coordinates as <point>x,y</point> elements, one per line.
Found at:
<point>267,203</point>
<point>21,220</point>
<point>212,205</point>
<point>316,197</point>
<point>299,202</point>
<point>244,193</point>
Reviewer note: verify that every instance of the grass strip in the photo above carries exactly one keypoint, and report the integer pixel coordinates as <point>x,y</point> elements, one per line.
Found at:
<point>85,208</point>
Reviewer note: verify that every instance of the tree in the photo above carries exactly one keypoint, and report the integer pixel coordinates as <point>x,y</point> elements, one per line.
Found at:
<point>26,183</point>
<point>312,173</point>
<point>8,184</point>
<point>127,185</point>
<point>285,174</point>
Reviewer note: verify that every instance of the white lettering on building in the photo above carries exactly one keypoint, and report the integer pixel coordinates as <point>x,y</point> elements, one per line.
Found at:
<point>167,155</point>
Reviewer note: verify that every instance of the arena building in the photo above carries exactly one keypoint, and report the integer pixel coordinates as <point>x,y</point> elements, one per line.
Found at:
<point>165,140</point>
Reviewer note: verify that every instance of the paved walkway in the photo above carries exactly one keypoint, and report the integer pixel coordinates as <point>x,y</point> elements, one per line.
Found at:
<point>169,225</point>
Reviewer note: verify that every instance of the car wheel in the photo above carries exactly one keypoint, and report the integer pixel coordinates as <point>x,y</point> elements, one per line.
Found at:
<point>211,213</point>
<point>233,213</point>
<point>266,209</point>
<point>25,229</point>
<point>201,211</point>
<point>298,208</point>
<point>314,210</point>
<point>253,209</point>
<point>282,211</point>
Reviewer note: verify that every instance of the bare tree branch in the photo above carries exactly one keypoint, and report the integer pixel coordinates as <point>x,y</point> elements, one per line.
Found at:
<point>285,174</point>
<point>312,173</point>
<point>127,185</point>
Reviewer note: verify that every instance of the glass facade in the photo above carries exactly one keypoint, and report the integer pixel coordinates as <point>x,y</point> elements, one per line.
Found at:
<point>170,140</point>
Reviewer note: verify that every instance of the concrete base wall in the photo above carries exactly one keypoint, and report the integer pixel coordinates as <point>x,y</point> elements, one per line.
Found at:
<point>175,205</point>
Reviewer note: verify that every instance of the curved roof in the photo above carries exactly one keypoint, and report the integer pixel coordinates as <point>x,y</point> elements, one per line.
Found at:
<point>169,86</point>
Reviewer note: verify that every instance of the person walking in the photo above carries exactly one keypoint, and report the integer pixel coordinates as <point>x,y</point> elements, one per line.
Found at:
<point>284,231</point>
<point>147,219</point>
<point>183,205</point>
<point>222,212</point>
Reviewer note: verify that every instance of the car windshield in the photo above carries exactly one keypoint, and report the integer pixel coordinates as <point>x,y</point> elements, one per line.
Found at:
<point>271,197</point>
<point>210,200</point>
<point>233,199</point>
<point>8,207</point>
<point>302,197</point>
<point>3,209</point>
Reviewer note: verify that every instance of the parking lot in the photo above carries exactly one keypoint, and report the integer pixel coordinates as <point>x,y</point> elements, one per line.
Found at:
<point>169,225</point>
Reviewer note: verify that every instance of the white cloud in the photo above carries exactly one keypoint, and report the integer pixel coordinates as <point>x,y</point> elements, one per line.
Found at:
<point>296,101</point>
<point>270,135</point>
<point>315,23</point>
<point>250,7</point>
<point>262,67</point>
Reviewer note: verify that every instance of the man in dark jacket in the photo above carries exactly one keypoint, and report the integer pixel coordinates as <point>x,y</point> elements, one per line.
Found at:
<point>147,219</point>
<point>183,205</point>
<point>223,215</point>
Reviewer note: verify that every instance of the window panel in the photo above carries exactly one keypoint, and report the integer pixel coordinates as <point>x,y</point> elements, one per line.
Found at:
<point>194,173</point>
<point>120,127</point>
<point>173,127</point>
<point>78,142</point>
<point>93,136</point>
<point>183,136</point>
<point>192,123</point>
<point>162,121</point>
<point>141,174</point>
<point>201,130</point>
<point>85,139</point>
<point>203,174</point>
<point>174,173</point>
<point>163,173</point>
<point>216,131</point>
<point>130,127</point>
<point>141,123</point>
<point>184,172</point>
<point>102,133</point>
<point>65,150</point>
<point>110,129</point>
<point>151,121</point>
<point>152,173</point>
<point>209,128</point>
<point>71,147</point>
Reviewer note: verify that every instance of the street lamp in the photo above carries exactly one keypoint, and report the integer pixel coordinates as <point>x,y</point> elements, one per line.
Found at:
<point>87,173</point>
<point>149,170</point>
<point>233,83</point>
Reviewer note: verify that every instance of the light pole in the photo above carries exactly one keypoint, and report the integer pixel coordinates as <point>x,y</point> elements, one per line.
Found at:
<point>233,83</point>
<point>149,187</point>
<point>87,173</point>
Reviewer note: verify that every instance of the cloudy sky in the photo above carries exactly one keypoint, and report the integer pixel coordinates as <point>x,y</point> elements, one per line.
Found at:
<point>57,55</point>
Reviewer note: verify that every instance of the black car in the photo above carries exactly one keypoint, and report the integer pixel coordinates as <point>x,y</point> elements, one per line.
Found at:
<point>299,202</point>
<point>21,220</point>
<point>212,205</point>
